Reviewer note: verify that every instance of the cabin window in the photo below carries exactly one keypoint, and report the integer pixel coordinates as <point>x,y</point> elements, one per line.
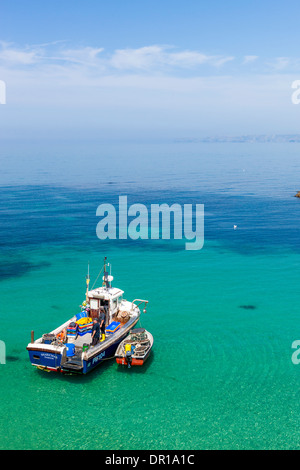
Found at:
<point>94,304</point>
<point>37,358</point>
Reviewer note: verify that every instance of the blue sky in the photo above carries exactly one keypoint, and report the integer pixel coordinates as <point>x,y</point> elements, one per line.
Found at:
<point>236,27</point>
<point>170,68</point>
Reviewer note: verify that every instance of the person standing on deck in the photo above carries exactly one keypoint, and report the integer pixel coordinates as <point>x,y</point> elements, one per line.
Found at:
<point>102,324</point>
<point>95,332</point>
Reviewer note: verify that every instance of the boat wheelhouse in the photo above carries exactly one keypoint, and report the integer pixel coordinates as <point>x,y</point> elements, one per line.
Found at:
<point>69,349</point>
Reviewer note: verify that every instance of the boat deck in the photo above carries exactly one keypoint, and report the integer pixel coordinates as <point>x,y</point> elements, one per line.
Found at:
<point>81,340</point>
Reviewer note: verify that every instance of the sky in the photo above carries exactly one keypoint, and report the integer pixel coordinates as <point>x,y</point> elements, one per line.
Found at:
<point>95,68</point>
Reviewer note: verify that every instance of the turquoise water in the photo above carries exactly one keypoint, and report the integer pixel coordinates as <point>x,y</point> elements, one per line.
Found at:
<point>223,318</point>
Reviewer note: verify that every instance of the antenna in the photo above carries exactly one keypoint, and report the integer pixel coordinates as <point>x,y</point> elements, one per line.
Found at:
<point>105,275</point>
<point>87,283</point>
<point>107,278</point>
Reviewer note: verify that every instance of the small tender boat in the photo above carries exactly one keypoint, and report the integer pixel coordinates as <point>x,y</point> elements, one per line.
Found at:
<point>135,349</point>
<point>69,348</point>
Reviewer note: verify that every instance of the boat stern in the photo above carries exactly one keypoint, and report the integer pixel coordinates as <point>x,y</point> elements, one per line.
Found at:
<point>45,356</point>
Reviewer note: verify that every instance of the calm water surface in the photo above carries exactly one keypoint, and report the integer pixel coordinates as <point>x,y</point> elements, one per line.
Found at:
<point>223,318</point>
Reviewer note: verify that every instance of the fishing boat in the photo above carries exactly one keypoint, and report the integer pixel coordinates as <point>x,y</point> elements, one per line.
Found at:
<point>135,349</point>
<point>69,349</point>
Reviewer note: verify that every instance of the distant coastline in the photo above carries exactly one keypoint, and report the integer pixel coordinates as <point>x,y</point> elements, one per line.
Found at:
<point>275,138</point>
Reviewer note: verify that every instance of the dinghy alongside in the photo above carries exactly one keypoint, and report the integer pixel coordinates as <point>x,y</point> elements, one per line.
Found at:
<point>68,348</point>
<point>135,349</point>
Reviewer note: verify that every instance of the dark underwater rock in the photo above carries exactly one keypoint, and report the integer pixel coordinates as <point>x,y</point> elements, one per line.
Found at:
<point>12,358</point>
<point>17,268</point>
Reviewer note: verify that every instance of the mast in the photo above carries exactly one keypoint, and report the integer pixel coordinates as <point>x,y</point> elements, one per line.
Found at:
<point>105,275</point>
<point>87,283</point>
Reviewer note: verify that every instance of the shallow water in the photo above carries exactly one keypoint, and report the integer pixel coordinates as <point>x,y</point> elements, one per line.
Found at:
<point>223,318</point>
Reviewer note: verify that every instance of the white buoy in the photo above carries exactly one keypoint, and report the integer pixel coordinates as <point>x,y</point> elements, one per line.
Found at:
<point>234,227</point>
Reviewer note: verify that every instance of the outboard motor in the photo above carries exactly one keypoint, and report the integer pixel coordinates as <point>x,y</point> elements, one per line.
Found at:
<point>128,353</point>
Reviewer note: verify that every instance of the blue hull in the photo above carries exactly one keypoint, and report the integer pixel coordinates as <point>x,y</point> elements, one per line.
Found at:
<point>45,359</point>
<point>52,361</point>
<point>48,358</point>
<point>100,357</point>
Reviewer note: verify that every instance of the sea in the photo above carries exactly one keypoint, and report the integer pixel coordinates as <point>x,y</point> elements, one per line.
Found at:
<point>224,318</point>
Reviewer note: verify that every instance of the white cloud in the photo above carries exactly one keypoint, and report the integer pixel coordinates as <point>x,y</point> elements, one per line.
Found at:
<point>84,55</point>
<point>280,63</point>
<point>153,58</point>
<point>284,64</point>
<point>187,58</point>
<point>13,56</point>
<point>142,58</point>
<point>186,86</point>
<point>218,62</point>
<point>148,60</point>
<point>156,57</point>
<point>249,58</point>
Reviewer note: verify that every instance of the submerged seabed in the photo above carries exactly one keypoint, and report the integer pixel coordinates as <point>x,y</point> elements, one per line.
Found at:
<point>223,319</point>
